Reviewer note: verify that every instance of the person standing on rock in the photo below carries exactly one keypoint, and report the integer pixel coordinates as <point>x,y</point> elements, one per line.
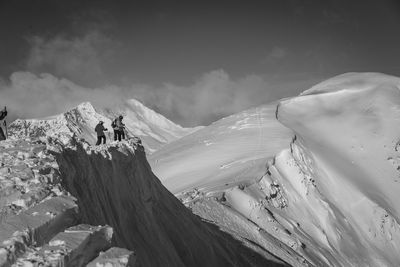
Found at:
<point>118,127</point>
<point>100,133</point>
<point>3,114</point>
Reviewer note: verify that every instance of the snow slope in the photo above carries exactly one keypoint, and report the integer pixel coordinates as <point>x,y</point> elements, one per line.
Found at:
<point>154,129</point>
<point>230,151</point>
<point>331,194</point>
<point>341,175</point>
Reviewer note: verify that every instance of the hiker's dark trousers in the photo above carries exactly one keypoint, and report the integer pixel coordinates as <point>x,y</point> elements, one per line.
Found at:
<point>118,135</point>
<point>99,140</point>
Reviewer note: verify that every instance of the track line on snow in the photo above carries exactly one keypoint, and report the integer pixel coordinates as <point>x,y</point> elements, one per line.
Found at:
<point>260,136</point>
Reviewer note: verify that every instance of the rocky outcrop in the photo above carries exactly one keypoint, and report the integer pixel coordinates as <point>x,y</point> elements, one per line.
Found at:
<point>40,221</point>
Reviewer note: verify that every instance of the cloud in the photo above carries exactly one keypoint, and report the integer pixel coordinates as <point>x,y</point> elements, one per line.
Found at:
<point>212,96</point>
<point>28,95</point>
<point>81,59</point>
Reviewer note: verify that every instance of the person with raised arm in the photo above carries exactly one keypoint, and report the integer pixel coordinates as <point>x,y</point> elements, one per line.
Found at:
<point>3,114</point>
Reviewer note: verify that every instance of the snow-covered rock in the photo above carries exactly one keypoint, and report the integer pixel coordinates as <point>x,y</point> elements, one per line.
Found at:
<point>154,129</point>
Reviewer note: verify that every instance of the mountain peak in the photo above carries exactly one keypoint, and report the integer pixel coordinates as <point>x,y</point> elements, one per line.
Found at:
<point>87,106</point>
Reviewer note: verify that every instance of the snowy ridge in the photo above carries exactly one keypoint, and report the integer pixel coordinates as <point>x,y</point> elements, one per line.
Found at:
<point>335,190</point>
<point>346,150</point>
<point>331,195</point>
<point>154,129</point>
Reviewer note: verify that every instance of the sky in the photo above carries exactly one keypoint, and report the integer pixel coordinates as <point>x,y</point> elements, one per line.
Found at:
<point>192,61</point>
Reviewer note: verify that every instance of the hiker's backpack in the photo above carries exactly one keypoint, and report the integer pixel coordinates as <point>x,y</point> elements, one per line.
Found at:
<point>114,123</point>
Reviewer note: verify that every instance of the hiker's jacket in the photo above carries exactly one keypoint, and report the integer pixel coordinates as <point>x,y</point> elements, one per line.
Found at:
<point>100,129</point>
<point>119,126</point>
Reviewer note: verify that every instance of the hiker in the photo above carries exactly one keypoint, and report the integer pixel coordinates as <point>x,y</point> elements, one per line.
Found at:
<point>118,127</point>
<point>100,133</point>
<point>3,114</point>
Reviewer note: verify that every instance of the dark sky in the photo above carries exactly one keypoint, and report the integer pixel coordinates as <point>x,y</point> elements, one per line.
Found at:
<point>193,61</point>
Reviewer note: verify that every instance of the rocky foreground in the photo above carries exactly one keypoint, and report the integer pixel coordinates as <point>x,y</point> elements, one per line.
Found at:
<point>41,224</point>
<point>66,203</point>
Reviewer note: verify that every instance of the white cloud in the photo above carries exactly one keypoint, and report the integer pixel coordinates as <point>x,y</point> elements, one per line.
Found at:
<point>212,96</point>
<point>31,96</point>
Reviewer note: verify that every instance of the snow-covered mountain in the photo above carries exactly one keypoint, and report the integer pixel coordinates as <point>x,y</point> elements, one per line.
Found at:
<point>154,129</point>
<point>331,195</point>
<point>311,180</point>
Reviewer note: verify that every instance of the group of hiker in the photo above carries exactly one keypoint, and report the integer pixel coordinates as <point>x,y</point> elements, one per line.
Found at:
<point>118,127</point>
